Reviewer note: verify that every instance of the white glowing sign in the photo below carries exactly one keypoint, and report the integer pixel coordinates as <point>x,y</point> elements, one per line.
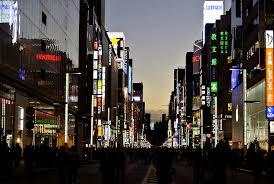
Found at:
<point>118,42</point>
<point>137,98</point>
<point>212,12</point>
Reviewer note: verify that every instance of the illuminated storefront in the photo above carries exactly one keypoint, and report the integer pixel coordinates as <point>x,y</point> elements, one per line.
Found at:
<point>46,127</point>
<point>257,124</point>
<point>34,67</point>
<point>7,114</point>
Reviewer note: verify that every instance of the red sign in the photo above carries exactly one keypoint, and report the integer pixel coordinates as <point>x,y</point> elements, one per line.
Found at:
<point>195,59</point>
<point>48,57</point>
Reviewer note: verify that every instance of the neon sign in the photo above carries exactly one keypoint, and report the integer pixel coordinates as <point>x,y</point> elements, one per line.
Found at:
<point>214,87</point>
<point>224,42</point>
<point>48,57</point>
<point>214,61</point>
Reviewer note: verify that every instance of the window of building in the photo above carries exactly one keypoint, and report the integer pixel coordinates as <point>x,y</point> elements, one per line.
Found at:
<point>43,74</point>
<point>44,18</point>
<point>238,8</point>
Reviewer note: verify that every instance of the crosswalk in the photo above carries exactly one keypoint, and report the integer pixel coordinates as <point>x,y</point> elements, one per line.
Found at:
<point>151,177</point>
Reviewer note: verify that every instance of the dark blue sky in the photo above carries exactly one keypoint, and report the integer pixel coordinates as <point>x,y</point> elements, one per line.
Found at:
<point>159,33</point>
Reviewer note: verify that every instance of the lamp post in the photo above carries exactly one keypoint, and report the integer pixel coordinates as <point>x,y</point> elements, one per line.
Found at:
<point>245,102</point>
<point>66,103</point>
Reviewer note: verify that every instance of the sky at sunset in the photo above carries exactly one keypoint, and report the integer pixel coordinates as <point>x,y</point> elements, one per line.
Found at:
<point>159,33</point>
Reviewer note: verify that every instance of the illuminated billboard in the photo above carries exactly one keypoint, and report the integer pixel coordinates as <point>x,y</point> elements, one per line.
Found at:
<point>118,42</point>
<point>48,57</point>
<point>136,98</point>
<point>214,87</point>
<point>269,74</point>
<point>214,40</point>
<point>129,79</point>
<point>212,12</point>
<point>196,58</point>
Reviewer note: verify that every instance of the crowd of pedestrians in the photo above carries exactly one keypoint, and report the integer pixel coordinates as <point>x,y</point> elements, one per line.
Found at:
<point>9,158</point>
<point>214,165</point>
<point>209,165</point>
<point>65,161</point>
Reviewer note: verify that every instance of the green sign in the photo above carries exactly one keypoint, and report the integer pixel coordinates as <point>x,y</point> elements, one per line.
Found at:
<point>214,49</point>
<point>214,87</point>
<point>214,61</point>
<point>224,42</point>
<point>214,37</point>
<point>46,121</point>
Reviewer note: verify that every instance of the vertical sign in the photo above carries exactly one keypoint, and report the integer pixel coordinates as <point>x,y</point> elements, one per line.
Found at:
<point>212,11</point>
<point>214,61</point>
<point>269,74</point>
<point>224,42</point>
<point>118,42</point>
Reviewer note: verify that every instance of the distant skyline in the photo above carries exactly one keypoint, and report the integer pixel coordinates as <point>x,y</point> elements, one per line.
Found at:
<point>159,33</point>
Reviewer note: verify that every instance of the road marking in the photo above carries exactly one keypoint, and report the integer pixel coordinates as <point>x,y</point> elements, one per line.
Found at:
<point>150,177</point>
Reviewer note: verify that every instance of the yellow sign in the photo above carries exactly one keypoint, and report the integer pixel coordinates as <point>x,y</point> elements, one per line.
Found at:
<point>100,132</point>
<point>115,41</point>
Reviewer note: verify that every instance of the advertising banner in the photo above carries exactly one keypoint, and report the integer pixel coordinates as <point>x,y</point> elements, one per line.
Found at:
<point>212,12</point>
<point>118,42</point>
<point>269,74</point>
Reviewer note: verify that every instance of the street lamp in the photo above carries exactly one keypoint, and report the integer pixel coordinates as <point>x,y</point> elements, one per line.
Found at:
<point>66,102</point>
<point>245,101</point>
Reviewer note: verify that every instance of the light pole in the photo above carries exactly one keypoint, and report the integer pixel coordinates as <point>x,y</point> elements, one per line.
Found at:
<point>66,103</point>
<point>245,102</point>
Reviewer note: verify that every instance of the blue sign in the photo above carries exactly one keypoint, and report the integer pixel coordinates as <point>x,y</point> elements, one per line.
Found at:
<point>22,73</point>
<point>269,112</point>
<point>235,78</point>
<point>99,138</point>
<point>214,7</point>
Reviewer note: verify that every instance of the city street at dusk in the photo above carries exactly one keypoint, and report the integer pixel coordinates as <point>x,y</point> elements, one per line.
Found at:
<point>136,91</point>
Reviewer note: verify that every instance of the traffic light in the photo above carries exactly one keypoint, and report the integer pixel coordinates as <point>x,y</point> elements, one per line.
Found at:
<point>30,118</point>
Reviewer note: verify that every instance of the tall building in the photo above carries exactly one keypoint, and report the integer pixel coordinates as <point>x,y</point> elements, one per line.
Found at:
<point>189,97</point>
<point>139,110</point>
<point>147,126</point>
<point>253,78</point>
<point>36,51</point>
<point>196,100</point>
<point>124,86</point>
<point>178,105</point>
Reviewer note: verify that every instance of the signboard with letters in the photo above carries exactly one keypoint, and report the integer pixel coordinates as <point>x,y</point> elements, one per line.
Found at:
<point>269,74</point>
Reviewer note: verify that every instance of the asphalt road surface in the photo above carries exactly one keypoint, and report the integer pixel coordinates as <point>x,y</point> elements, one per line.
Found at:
<point>89,173</point>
